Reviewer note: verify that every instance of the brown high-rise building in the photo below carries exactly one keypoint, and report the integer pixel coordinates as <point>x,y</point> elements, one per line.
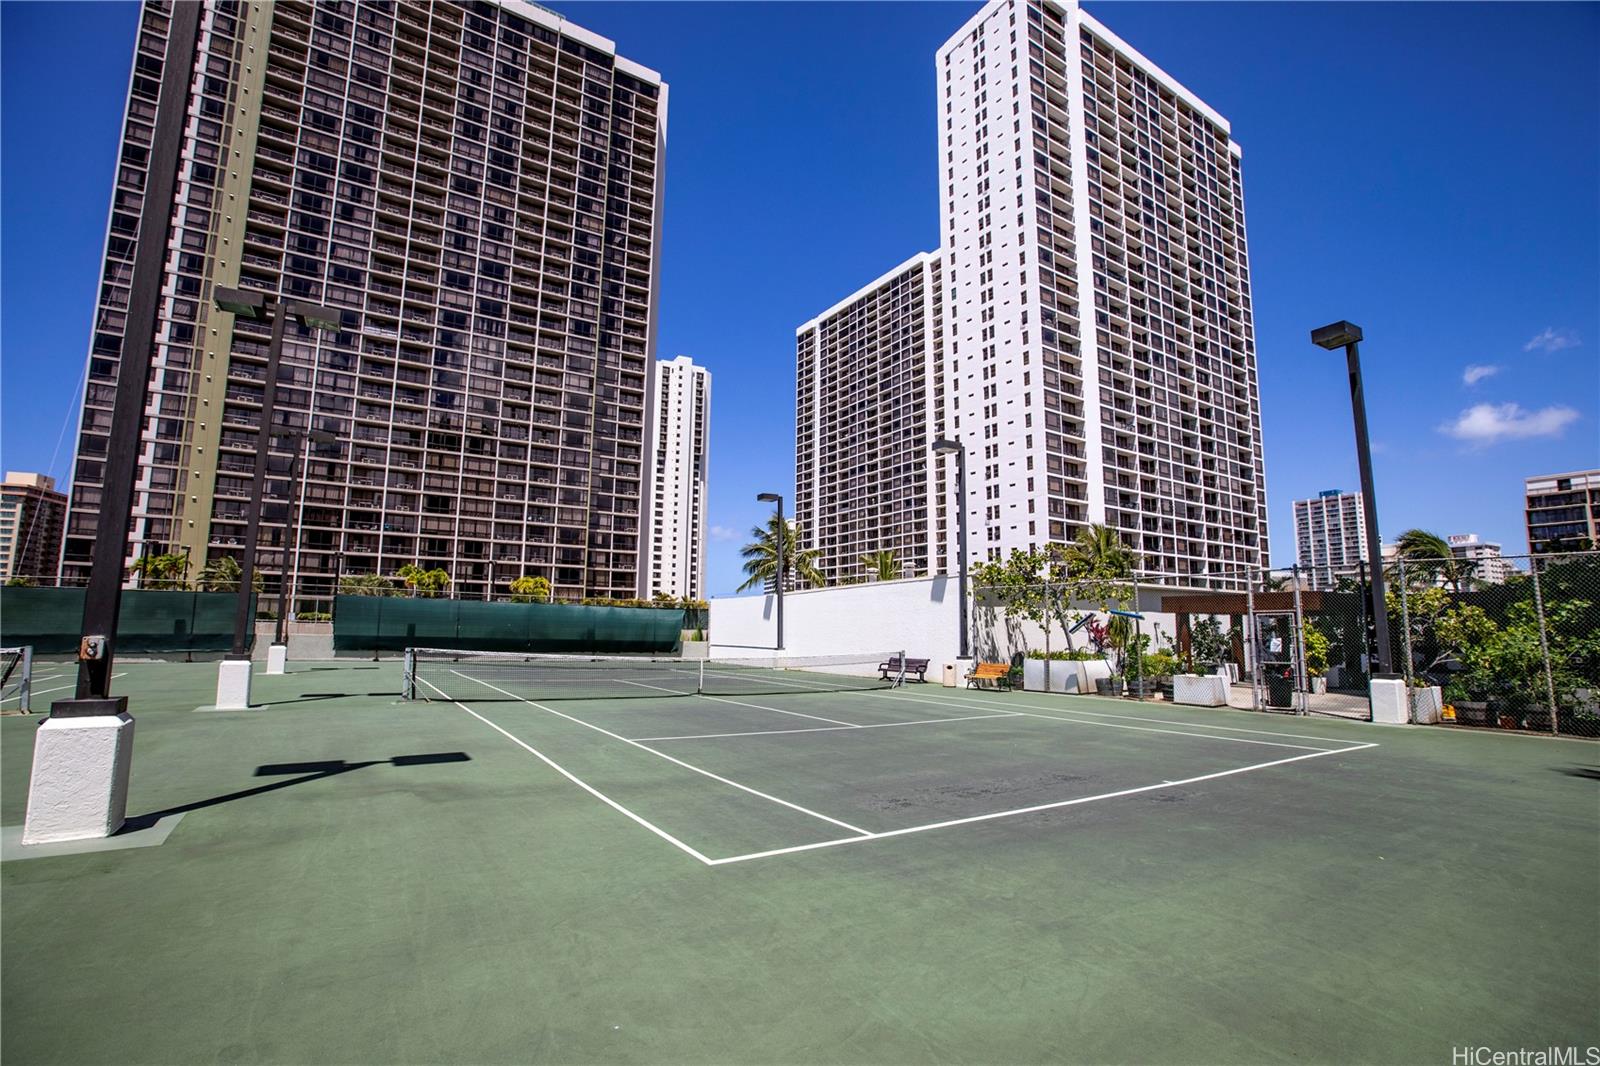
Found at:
<point>476,188</point>
<point>31,517</point>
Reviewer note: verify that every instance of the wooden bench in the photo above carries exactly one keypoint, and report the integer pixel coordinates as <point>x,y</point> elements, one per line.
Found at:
<point>999,673</point>
<point>911,666</point>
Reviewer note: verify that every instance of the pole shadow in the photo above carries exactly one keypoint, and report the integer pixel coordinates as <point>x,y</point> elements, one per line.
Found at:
<point>307,772</point>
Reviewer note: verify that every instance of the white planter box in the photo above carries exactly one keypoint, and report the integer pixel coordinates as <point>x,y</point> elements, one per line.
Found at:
<point>1427,705</point>
<point>1197,690</point>
<point>1319,685</point>
<point>1064,676</point>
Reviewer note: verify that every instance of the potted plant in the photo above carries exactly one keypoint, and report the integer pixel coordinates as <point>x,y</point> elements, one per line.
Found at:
<point>1316,647</point>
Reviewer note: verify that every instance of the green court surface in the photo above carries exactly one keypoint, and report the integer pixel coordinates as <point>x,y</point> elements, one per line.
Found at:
<point>918,875</point>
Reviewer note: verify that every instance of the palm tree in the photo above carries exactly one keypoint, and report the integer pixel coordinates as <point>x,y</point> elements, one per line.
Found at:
<point>881,565</point>
<point>1432,554</point>
<point>761,557</point>
<point>166,571</point>
<point>1099,552</point>
<point>221,574</point>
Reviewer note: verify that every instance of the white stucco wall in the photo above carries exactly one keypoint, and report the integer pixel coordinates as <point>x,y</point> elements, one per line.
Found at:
<point>917,615</point>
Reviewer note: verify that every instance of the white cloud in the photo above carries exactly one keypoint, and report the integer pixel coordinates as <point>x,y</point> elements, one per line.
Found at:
<point>1486,423</point>
<point>1552,340</point>
<point>1475,373</point>
<point>723,533</point>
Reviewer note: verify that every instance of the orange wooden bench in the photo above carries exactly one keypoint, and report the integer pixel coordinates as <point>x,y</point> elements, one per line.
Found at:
<point>999,673</point>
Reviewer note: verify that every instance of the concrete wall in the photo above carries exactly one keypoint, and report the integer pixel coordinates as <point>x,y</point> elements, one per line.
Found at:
<point>918,615</point>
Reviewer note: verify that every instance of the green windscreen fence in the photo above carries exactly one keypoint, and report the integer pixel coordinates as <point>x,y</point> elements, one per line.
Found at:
<point>393,623</point>
<point>51,620</point>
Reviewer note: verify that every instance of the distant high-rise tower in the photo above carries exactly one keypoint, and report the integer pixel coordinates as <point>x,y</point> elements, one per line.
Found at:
<point>477,187</point>
<point>869,403</point>
<point>1563,512</point>
<point>1330,536</point>
<point>681,410</point>
<point>31,516</point>
<point>1098,331</point>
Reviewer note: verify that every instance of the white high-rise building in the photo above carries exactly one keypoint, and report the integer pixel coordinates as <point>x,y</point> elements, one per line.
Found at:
<point>869,394</point>
<point>1330,535</point>
<point>1099,337</point>
<point>1483,559</point>
<point>681,416</point>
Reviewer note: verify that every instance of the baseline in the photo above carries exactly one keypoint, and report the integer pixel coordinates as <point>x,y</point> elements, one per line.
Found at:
<point>1113,725</point>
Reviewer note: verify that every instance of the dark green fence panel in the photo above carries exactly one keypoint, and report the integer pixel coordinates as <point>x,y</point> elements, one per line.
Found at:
<point>391,623</point>
<point>51,619</point>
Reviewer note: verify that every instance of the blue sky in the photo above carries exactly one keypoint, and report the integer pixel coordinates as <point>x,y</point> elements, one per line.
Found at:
<point>1429,171</point>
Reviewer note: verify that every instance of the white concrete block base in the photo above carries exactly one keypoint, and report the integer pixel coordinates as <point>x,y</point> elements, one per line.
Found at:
<point>1389,704</point>
<point>233,685</point>
<point>277,658</point>
<point>79,786</point>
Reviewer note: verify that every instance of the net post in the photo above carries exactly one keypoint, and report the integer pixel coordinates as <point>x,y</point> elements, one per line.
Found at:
<point>900,677</point>
<point>25,690</point>
<point>408,684</point>
<point>700,678</point>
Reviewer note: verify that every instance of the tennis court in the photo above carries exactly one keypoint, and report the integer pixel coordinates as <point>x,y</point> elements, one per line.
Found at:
<point>778,757</point>
<point>520,870</point>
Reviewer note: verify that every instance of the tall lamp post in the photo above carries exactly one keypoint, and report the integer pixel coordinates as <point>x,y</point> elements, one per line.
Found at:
<point>278,654</point>
<point>778,539</point>
<point>83,753</point>
<point>946,446</point>
<point>233,673</point>
<point>1347,335</point>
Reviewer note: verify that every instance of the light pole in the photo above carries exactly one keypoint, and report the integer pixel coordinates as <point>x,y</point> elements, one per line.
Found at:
<point>303,440</point>
<point>78,786</point>
<point>946,446</point>
<point>779,537</point>
<point>233,677</point>
<point>1347,335</point>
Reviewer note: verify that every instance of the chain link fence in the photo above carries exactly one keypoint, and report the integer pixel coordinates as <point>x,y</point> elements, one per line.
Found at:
<point>1512,647</point>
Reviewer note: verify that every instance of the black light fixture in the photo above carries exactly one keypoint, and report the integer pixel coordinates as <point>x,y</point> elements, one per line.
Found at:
<point>256,305</point>
<point>1347,335</point>
<point>947,446</point>
<point>779,537</point>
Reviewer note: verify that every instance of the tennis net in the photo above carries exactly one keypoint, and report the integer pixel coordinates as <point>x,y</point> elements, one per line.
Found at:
<point>478,676</point>
<point>16,678</point>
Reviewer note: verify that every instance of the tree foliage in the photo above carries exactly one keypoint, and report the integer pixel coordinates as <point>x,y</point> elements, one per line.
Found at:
<point>366,585</point>
<point>761,557</point>
<point>422,582</point>
<point>881,565</point>
<point>222,572</point>
<point>530,589</point>
<point>169,570</point>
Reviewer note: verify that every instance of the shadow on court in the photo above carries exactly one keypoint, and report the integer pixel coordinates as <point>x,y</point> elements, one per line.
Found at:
<point>307,772</point>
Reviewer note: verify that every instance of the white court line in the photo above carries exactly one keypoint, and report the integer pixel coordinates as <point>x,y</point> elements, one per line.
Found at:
<point>808,686</point>
<point>832,729</point>
<point>737,703</point>
<point>1203,725</point>
<point>62,688</point>
<point>1029,810</point>
<point>558,768</point>
<point>669,758</point>
<point>1111,725</point>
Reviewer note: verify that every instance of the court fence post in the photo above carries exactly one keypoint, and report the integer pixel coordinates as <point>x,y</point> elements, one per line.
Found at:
<point>1405,632</point>
<point>1301,672</point>
<point>1544,647</point>
<point>1253,651</point>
